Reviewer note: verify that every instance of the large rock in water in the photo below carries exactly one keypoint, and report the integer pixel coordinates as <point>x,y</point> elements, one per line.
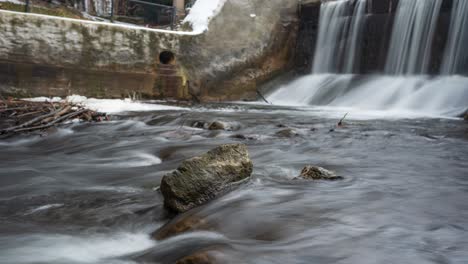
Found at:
<point>200,179</point>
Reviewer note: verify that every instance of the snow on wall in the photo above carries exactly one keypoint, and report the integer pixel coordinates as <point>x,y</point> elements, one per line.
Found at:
<point>202,12</point>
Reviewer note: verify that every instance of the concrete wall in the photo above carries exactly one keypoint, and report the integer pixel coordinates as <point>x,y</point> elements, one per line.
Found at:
<point>249,42</point>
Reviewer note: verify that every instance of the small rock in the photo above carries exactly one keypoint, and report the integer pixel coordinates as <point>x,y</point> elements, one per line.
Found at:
<point>201,179</point>
<point>281,126</point>
<point>198,258</point>
<point>289,132</point>
<point>200,124</point>
<point>217,125</point>
<point>318,173</point>
<point>466,116</point>
<point>228,126</point>
<point>243,137</point>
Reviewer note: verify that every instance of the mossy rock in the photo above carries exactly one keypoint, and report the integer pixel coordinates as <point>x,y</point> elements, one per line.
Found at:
<point>200,179</point>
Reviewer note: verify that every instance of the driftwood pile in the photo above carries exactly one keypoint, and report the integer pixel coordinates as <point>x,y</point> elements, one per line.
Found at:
<point>19,116</point>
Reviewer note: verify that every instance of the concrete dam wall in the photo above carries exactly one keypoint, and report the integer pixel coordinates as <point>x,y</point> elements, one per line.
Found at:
<point>247,43</point>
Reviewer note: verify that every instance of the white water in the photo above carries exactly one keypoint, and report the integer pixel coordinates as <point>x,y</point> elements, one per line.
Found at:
<point>439,96</point>
<point>47,248</point>
<point>456,52</point>
<point>413,32</point>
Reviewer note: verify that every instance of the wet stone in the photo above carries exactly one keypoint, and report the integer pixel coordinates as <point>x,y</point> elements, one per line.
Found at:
<point>317,173</point>
<point>200,179</point>
<point>287,133</point>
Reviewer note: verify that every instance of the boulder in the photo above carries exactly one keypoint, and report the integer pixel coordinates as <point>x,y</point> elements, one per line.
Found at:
<point>200,179</point>
<point>466,116</point>
<point>318,173</point>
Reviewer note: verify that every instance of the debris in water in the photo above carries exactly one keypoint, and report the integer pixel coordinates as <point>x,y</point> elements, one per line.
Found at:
<point>19,116</point>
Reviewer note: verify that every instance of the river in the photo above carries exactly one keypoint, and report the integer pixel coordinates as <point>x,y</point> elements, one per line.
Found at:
<point>88,193</point>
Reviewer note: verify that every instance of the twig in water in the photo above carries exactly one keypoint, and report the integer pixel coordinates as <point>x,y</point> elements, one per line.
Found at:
<point>261,96</point>
<point>342,119</point>
<point>65,117</point>
<point>31,122</point>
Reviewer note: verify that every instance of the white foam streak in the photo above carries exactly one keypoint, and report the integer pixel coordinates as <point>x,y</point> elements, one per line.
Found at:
<point>75,249</point>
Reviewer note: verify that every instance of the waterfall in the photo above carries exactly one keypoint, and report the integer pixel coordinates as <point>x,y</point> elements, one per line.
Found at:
<point>357,28</point>
<point>405,88</point>
<point>413,32</point>
<point>335,27</point>
<point>456,52</point>
<point>332,26</point>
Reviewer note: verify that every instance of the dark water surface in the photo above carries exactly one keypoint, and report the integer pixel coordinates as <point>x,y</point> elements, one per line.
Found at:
<point>88,193</point>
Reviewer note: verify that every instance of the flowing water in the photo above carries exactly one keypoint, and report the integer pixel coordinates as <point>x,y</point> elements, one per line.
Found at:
<point>88,192</point>
<point>404,86</point>
<point>455,53</point>
<point>413,33</point>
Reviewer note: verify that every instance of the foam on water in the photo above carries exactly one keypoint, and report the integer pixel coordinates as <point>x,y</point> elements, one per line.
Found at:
<point>403,96</point>
<point>95,248</point>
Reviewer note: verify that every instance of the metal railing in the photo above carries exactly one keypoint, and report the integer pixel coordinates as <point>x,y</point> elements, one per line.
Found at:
<point>170,11</point>
<point>138,12</point>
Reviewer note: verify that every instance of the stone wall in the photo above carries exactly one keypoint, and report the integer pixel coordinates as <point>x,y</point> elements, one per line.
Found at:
<point>249,42</point>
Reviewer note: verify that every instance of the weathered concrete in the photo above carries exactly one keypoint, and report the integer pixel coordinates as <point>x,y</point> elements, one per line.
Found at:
<point>42,55</point>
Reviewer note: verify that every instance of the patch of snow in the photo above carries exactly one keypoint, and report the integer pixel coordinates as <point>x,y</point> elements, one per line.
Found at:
<point>44,99</point>
<point>201,14</point>
<point>109,106</point>
<point>117,105</point>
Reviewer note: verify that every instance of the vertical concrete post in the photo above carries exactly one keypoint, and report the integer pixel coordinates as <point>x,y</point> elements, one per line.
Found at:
<point>179,5</point>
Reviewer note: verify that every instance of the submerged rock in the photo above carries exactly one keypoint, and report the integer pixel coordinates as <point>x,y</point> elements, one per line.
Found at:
<point>289,132</point>
<point>317,173</point>
<point>216,125</point>
<point>198,258</point>
<point>220,125</point>
<point>202,178</point>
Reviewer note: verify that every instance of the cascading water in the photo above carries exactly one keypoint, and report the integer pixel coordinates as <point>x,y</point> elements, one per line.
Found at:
<point>335,28</point>
<point>456,53</point>
<point>353,50</point>
<point>413,32</point>
<point>406,87</point>
<point>332,27</point>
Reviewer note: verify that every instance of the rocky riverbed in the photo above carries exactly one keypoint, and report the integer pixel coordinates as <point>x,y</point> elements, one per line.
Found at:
<point>89,193</point>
